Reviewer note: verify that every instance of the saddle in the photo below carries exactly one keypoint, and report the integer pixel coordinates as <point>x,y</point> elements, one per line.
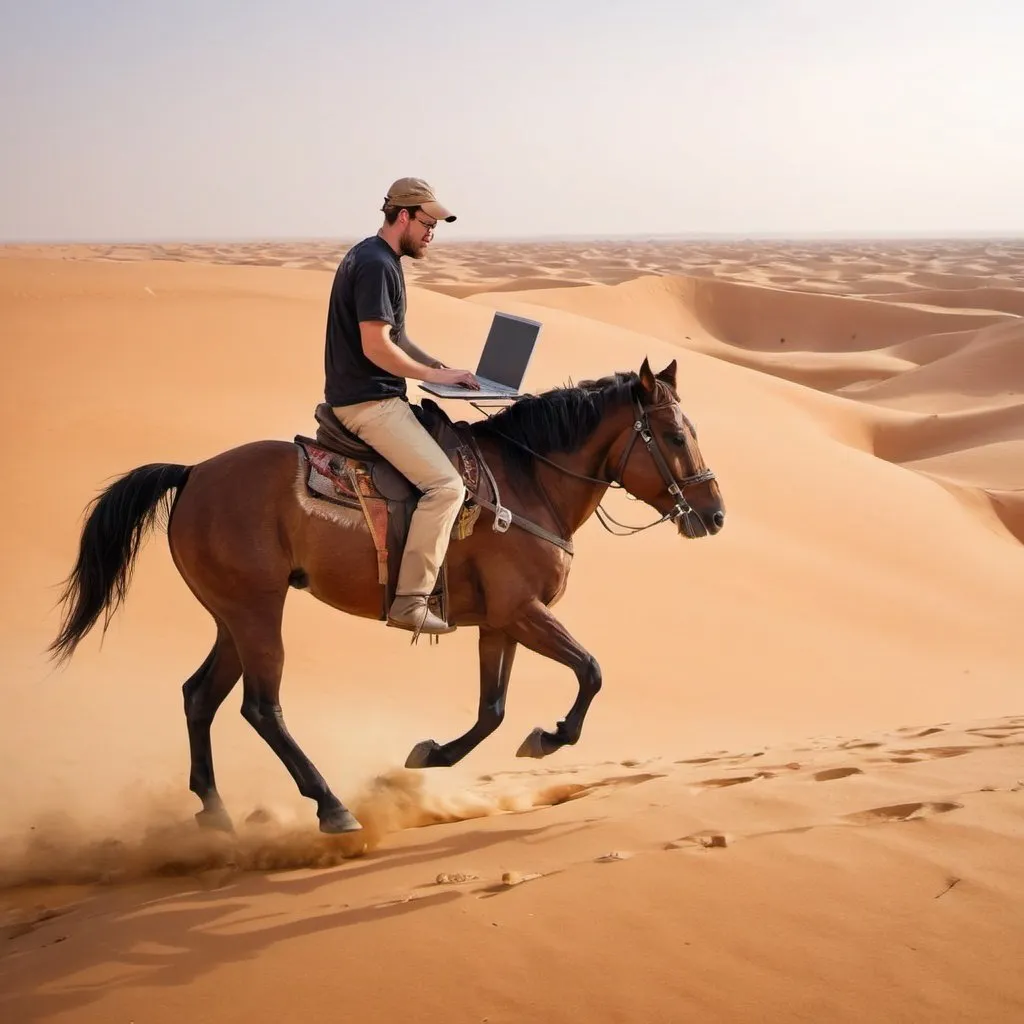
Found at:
<point>341,468</point>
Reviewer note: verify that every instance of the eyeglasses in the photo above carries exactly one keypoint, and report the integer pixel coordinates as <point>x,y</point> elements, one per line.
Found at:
<point>428,224</point>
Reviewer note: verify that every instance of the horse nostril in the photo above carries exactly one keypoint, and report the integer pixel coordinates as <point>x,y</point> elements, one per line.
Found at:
<point>718,519</point>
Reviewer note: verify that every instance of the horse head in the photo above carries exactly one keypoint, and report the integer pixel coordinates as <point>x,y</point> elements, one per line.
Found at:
<point>658,461</point>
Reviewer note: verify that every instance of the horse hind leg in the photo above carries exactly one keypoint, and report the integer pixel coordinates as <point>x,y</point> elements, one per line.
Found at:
<point>262,655</point>
<point>203,693</point>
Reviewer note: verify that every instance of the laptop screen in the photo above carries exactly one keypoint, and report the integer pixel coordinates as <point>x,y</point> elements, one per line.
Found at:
<point>507,351</point>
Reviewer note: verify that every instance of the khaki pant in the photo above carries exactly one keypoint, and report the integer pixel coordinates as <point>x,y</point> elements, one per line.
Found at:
<point>390,426</point>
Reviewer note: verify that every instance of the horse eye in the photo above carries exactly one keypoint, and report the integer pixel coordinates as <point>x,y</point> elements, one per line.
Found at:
<point>679,440</point>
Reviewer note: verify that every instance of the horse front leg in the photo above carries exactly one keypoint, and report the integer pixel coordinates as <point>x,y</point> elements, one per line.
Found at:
<point>540,631</point>
<point>497,652</point>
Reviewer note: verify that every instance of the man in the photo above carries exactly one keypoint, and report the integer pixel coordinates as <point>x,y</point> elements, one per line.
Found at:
<point>368,354</point>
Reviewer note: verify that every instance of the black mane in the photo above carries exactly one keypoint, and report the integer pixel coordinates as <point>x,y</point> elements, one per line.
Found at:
<point>559,420</point>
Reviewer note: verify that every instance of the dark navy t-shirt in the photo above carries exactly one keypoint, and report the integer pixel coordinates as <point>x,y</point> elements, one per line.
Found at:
<point>369,284</point>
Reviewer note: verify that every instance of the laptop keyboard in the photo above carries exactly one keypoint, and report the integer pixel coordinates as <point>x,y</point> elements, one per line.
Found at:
<point>493,385</point>
<point>488,386</point>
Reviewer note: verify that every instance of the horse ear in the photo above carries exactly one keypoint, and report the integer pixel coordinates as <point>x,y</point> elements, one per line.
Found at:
<point>668,375</point>
<point>647,379</point>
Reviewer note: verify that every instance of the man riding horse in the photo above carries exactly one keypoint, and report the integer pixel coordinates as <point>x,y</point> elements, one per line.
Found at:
<point>245,527</point>
<point>368,354</point>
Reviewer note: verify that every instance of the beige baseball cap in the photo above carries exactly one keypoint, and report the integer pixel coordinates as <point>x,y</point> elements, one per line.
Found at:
<point>416,192</point>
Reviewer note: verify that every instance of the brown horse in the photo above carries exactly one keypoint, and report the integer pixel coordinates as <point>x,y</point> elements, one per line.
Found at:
<point>242,529</point>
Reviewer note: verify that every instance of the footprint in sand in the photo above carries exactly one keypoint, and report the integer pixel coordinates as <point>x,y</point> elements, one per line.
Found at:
<point>830,774</point>
<point>858,745</point>
<point>615,781</point>
<point>734,781</point>
<point>917,754</point>
<point>561,793</point>
<point>722,783</point>
<point>701,841</point>
<point>627,780</point>
<point>997,732</point>
<point>902,812</point>
<point>931,753</point>
<point>915,733</point>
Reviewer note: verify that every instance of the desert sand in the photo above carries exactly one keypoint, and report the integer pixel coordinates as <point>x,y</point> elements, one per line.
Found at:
<point>799,795</point>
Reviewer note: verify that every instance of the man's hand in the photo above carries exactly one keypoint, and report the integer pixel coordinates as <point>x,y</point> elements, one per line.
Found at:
<point>454,377</point>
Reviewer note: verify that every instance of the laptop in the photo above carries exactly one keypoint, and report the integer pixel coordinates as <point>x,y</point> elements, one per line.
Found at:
<point>503,361</point>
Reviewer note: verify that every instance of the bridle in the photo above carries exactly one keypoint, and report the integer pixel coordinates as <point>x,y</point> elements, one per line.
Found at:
<point>641,428</point>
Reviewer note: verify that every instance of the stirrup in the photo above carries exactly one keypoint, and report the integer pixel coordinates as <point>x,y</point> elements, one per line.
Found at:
<point>418,618</point>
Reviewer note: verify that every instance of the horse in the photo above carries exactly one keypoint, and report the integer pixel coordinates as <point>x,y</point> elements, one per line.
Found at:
<point>243,530</point>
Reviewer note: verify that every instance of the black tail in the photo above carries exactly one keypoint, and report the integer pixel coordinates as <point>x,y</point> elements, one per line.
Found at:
<point>111,538</point>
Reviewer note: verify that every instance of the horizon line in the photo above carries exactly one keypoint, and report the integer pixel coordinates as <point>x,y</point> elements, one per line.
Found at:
<point>641,236</point>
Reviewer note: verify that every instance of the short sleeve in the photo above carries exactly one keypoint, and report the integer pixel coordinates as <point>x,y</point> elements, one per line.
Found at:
<point>374,297</point>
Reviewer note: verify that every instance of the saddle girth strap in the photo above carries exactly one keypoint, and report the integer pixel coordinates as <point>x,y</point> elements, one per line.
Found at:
<point>506,515</point>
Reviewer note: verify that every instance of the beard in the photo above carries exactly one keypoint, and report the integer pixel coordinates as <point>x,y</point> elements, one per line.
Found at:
<point>408,247</point>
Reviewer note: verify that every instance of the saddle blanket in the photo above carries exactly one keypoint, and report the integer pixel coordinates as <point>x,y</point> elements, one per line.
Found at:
<point>387,501</point>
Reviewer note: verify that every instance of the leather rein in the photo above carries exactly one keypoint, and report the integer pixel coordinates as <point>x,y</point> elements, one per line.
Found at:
<point>641,429</point>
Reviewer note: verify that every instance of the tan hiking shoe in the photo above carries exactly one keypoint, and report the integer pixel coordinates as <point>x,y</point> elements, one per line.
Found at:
<point>413,613</point>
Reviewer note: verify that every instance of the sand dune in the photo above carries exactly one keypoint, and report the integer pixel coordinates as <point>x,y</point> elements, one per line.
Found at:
<point>985,366</point>
<point>890,353</point>
<point>758,318</point>
<point>855,267</point>
<point>931,435</point>
<point>462,290</point>
<point>1006,300</point>
<point>799,789</point>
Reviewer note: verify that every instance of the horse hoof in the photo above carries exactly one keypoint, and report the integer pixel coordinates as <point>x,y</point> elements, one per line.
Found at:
<point>534,745</point>
<point>340,820</point>
<point>218,819</point>
<point>423,755</point>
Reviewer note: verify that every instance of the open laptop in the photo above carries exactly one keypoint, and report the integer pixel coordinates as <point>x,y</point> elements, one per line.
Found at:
<point>503,361</point>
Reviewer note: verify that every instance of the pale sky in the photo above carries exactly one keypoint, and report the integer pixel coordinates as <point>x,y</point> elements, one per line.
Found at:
<point>235,119</point>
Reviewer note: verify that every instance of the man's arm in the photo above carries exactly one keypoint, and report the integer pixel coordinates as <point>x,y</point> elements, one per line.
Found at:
<point>382,351</point>
<point>407,345</point>
<point>396,359</point>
